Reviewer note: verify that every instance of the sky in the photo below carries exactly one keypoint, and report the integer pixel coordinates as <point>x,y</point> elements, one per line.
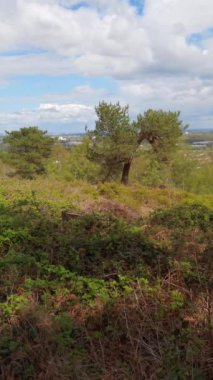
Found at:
<point>60,58</point>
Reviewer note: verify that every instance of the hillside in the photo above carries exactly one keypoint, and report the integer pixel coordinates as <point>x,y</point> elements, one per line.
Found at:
<point>104,282</point>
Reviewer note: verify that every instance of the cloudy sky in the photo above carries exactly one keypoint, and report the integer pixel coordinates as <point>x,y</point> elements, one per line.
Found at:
<point>59,58</point>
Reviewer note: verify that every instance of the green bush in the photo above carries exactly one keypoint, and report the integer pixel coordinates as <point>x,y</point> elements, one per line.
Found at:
<point>185,217</point>
<point>100,294</point>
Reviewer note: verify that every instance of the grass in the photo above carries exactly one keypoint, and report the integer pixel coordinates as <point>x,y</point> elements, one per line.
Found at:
<point>122,291</point>
<point>76,193</point>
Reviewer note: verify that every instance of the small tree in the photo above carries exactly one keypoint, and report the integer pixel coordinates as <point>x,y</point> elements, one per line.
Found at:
<point>28,151</point>
<point>115,141</point>
<point>161,130</point>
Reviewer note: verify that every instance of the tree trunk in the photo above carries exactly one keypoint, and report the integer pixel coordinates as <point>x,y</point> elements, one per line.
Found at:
<point>126,170</point>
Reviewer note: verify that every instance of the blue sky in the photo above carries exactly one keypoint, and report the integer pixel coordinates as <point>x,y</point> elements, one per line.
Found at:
<point>59,58</point>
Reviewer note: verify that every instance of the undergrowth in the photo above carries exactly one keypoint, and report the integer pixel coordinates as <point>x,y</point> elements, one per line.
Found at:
<point>99,295</point>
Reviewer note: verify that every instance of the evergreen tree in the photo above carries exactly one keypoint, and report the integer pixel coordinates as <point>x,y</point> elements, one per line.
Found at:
<point>28,151</point>
<point>115,140</point>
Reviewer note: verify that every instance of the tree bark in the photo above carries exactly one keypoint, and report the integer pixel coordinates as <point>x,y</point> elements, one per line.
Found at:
<point>127,165</point>
<point>126,170</point>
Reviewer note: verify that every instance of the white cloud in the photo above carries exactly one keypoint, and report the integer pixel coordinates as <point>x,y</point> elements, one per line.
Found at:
<point>49,114</point>
<point>65,112</point>
<point>116,32</point>
<point>114,41</point>
<point>149,56</point>
<point>192,96</point>
<point>84,41</point>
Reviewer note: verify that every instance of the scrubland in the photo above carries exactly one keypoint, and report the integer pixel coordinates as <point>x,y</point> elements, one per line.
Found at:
<point>120,289</point>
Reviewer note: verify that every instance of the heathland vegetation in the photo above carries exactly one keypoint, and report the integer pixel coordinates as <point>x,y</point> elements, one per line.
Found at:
<point>99,279</point>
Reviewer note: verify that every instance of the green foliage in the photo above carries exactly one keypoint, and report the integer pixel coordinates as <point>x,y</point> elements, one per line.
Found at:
<point>192,170</point>
<point>28,150</point>
<point>15,303</point>
<point>186,169</point>
<point>185,217</point>
<point>149,171</point>
<point>161,129</point>
<point>182,350</point>
<point>177,299</point>
<point>65,337</point>
<point>102,294</point>
<point>105,294</point>
<point>114,139</point>
<point>72,164</point>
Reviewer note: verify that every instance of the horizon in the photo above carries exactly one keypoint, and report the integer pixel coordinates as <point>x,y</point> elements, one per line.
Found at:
<point>60,58</point>
<point>189,130</point>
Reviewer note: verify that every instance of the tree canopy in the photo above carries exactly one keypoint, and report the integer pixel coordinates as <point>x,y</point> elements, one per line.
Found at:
<point>161,129</point>
<point>115,140</point>
<point>28,151</point>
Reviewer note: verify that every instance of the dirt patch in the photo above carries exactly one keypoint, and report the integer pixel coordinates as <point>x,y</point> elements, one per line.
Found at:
<point>146,211</point>
<point>114,207</point>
